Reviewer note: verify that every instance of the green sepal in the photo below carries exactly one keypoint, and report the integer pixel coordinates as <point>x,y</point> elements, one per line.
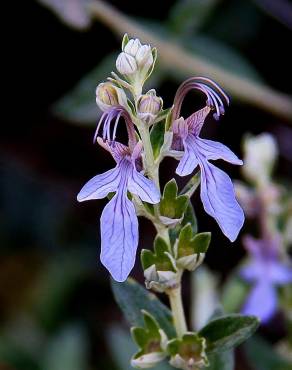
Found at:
<point>157,138</point>
<point>154,55</point>
<point>189,244</point>
<point>173,205</point>
<point>125,40</point>
<point>148,336</point>
<point>160,257</point>
<point>190,348</point>
<point>228,331</point>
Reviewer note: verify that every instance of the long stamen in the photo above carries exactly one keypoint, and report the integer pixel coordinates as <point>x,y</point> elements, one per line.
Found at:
<point>106,119</point>
<point>215,95</point>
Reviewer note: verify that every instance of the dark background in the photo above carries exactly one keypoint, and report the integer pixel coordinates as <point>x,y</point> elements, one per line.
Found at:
<point>50,274</point>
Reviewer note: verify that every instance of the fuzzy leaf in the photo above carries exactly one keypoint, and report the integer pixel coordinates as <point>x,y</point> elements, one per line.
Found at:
<point>228,331</point>
<point>132,298</point>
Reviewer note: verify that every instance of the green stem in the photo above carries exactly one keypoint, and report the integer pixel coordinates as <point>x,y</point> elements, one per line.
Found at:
<point>177,310</point>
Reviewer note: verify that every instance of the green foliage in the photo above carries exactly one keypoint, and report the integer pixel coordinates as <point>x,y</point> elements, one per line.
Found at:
<point>160,257</point>
<point>221,361</point>
<point>172,205</point>
<point>228,331</point>
<point>132,298</point>
<point>189,243</point>
<point>188,15</point>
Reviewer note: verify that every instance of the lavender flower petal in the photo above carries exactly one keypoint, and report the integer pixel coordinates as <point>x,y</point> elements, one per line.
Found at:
<point>99,186</point>
<point>279,273</point>
<point>262,301</point>
<point>214,150</point>
<point>189,160</point>
<point>217,194</point>
<point>119,236</point>
<point>252,271</point>
<point>143,187</point>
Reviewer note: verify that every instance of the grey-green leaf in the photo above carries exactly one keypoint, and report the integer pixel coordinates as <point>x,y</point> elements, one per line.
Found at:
<point>132,298</point>
<point>228,331</point>
<point>79,105</point>
<point>188,15</point>
<point>221,361</point>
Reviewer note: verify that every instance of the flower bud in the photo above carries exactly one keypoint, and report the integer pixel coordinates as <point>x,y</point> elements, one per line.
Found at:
<point>144,57</point>
<point>159,280</point>
<point>149,105</point>
<point>109,95</point>
<point>260,154</point>
<point>132,47</point>
<point>126,64</point>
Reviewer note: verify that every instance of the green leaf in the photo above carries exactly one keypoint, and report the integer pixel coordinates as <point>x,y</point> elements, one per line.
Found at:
<point>132,298</point>
<point>189,243</point>
<point>228,331</point>
<point>157,137</point>
<point>172,205</point>
<point>192,185</point>
<point>221,361</point>
<point>188,15</point>
<point>79,105</point>
<point>67,351</point>
<point>262,356</point>
<point>160,257</point>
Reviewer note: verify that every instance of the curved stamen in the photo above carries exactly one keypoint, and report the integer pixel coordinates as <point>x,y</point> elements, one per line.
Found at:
<point>115,113</point>
<point>215,95</point>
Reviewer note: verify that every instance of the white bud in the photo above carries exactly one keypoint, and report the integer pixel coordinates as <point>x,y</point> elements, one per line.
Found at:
<point>260,154</point>
<point>159,281</point>
<point>126,64</point>
<point>191,262</point>
<point>179,362</point>
<point>144,56</point>
<point>108,95</point>
<point>132,47</point>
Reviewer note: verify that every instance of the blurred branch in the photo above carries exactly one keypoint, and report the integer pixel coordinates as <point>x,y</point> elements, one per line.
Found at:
<point>173,56</point>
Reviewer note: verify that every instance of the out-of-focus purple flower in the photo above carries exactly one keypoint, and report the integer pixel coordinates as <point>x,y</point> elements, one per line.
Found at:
<point>119,223</point>
<point>265,271</point>
<point>217,191</point>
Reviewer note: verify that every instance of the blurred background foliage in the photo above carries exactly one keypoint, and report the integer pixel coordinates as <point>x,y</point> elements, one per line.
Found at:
<point>56,306</point>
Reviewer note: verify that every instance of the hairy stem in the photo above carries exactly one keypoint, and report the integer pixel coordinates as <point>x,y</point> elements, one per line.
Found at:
<point>177,309</point>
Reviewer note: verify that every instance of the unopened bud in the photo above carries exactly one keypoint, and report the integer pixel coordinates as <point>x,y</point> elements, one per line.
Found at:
<point>144,57</point>
<point>132,47</point>
<point>160,281</point>
<point>149,105</point>
<point>109,95</point>
<point>126,64</point>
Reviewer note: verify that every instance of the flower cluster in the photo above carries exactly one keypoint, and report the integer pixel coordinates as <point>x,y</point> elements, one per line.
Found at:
<point>133,185</point>
<point>133,189</point>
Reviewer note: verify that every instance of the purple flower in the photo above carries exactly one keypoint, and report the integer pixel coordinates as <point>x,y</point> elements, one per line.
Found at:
<point>119,223</point>
<point>265,271</point>
<point>217,191</point>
